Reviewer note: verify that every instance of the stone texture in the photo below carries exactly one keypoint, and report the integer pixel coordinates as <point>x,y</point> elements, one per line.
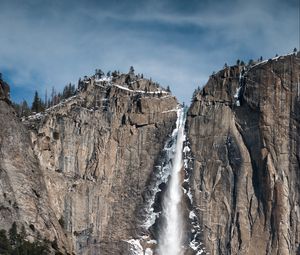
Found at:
<point>23,195</point>
<point>246,159</point>
<point>97,152</point>
<point>80,173</point>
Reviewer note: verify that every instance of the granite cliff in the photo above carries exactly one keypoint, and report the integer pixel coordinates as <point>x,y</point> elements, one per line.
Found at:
<point>244,134</point>
<point>24,197</point>
<point>97,151</point>
<point>89,173</point>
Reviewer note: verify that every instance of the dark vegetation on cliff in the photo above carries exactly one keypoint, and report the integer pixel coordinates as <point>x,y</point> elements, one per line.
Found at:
<point>15,243</point>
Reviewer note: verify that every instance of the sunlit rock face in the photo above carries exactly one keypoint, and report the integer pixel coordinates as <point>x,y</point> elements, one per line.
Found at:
<point>97,151</point>
<point>23,194</point>
<point>244,130</point>
<point>94,173</point>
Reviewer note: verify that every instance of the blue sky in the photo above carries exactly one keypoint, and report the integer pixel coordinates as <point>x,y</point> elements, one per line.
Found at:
<point>175,42</point>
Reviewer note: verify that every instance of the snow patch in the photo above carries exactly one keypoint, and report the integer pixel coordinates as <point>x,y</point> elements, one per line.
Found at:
<point>275,58</point>
<point>237,93</point>
<point>172,110</point>
<point>152,242</point>
<point>135,248</point>
<point>35,116</point>
<point>192,215</point>
<point>189,194</point>
<point>148,251</point>
<point>103,79</point>
<point>186,149</point>
<point>140,91</point>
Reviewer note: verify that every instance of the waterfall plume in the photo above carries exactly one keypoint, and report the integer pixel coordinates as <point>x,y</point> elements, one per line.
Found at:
<point>171,232</point>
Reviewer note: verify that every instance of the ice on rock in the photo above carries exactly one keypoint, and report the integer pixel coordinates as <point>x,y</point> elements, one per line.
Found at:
<point>148,251</point>
<point>135,247</point>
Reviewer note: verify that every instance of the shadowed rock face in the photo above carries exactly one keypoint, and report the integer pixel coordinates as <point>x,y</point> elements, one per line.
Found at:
<point>247,159</point>
<point>97,152</point>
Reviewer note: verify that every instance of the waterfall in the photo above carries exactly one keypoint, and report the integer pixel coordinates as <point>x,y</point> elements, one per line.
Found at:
<point>170,236</point>
<point>174,170</point>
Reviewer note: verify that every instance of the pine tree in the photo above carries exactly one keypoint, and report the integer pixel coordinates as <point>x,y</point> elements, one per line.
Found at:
<point>131,70</point>
<point>5,247</point>
<point>53,95</point>
<point>18,245</point>
<point>37,104</point>
<point>73,89</point>
<point>68,91</point>
<point>114,73</point>
<point>13,234</point>
<point>46,98</point>
<point>98,73</point>
<point>24,109</point>
<point>195,93</point>
<point>79,84</point>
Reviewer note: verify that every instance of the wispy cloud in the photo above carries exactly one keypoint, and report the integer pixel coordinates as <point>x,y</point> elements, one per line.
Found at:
<point>178,43</point>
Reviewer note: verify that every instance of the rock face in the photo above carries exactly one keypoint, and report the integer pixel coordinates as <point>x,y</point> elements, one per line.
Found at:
<point>23,194</point>
<point>97,151</point>
<point>246,158</point>
<point>82,173</point>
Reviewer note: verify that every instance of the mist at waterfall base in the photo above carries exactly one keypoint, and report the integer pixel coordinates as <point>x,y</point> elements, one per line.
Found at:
<point>171,233</point>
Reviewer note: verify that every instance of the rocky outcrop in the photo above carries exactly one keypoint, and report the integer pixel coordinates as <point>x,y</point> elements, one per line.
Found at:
<point>23,194</point>
<point>97,151</point>
<point>244,130</point>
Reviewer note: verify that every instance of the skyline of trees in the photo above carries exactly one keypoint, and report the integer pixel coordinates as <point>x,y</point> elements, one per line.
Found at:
<point>39,105</point>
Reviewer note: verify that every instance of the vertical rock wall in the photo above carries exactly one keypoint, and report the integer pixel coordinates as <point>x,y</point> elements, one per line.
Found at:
<point>246,158</point>
<point>97,152</point>
<point>23,194</point>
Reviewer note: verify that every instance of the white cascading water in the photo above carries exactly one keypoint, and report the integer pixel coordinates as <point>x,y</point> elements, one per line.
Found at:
<point>170,237</point>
